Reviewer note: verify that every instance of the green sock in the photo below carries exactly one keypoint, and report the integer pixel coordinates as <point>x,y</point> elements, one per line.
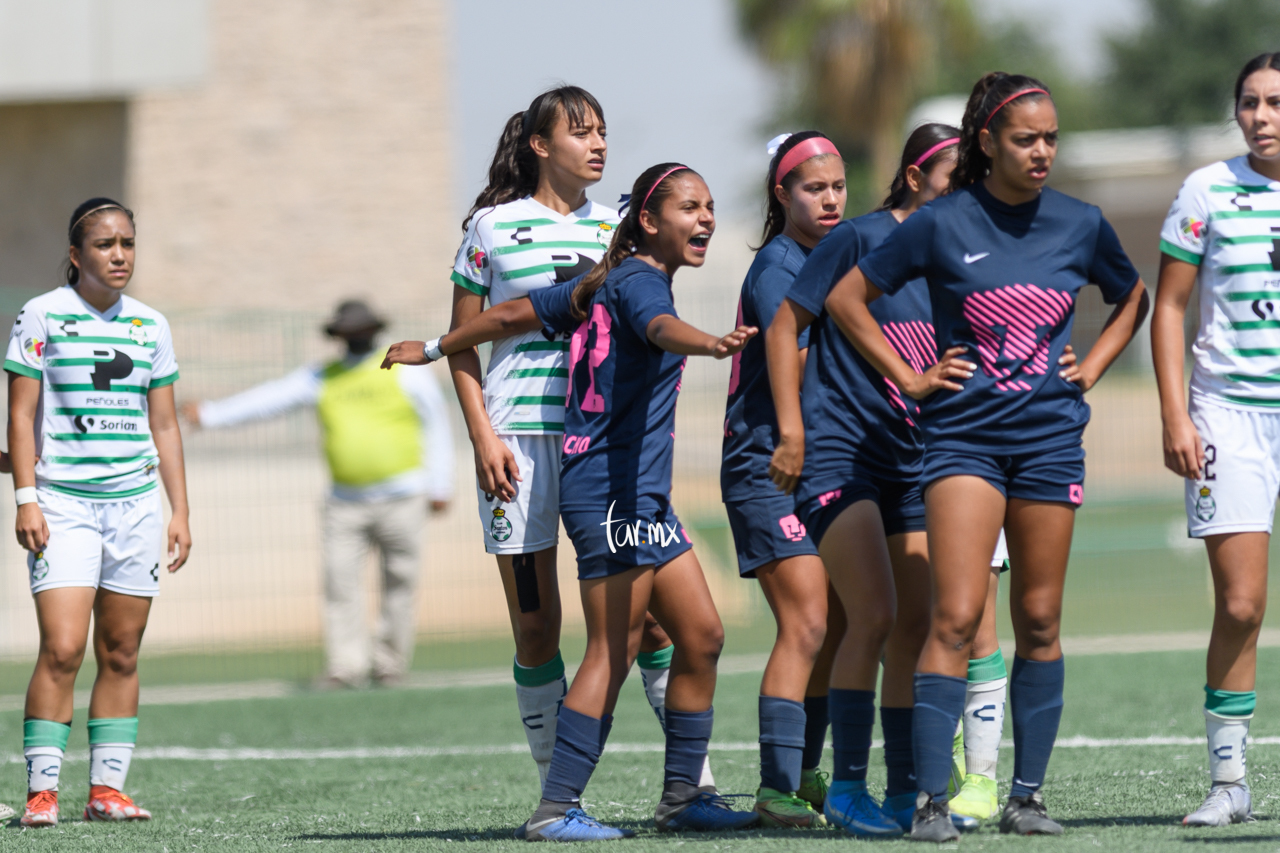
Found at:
<point>989,668</point>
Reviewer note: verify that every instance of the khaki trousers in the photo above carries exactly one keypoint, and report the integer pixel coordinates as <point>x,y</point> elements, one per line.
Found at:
<point>394,527</point>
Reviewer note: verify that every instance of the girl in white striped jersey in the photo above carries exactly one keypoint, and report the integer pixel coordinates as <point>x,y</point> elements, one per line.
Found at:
<point>1224,232</point>
<point>531,227</point>
<point>91,425</point>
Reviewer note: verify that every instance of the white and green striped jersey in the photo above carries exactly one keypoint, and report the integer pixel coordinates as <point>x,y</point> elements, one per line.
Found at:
<point>1226,220</point>
<point>513,249</point>
<point>92,433</point>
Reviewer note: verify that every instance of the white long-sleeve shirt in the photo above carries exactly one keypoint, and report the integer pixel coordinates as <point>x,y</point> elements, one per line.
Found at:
<point>433,478</point>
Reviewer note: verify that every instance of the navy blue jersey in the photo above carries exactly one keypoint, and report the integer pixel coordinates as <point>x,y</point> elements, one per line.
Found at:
<point>620,416</point>
<point>854,418</point>
<point>1003,281</point>
<point>750,422</point>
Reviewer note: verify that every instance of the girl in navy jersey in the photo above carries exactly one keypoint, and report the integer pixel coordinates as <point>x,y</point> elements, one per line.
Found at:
<point>626,358</point>
<point>1005,259</point>
<point>854,438</point>
<point>806,191</point>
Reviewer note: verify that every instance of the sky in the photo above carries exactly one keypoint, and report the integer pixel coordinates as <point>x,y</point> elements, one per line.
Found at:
<point>675,80</point>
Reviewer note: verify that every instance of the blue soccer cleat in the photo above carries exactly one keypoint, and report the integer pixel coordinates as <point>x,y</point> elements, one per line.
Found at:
<point>849,806</point>
<point>573,825</point>
<point>685,807</point>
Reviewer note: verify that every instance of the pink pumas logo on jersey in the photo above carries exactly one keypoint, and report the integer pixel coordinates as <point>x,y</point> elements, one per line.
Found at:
<point>1075,493</point>
<point>792,528</point>
<point>1027,315</point>
<point>827,497</point>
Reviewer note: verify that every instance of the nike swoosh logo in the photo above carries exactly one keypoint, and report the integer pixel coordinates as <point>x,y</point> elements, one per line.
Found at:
<point>968,258</point>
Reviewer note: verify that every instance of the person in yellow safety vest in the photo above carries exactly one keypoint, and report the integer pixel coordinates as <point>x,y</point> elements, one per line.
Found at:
<point>390,451</point>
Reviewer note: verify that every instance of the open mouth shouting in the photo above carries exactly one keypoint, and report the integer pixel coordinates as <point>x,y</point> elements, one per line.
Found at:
<point>698,242</point>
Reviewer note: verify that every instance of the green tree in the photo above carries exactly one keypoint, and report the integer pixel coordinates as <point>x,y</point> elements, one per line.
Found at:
<point>1180,66</point>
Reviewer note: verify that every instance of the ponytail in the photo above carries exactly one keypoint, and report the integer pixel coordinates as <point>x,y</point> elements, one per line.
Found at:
<point>513,173</point>
<point>987,109</point>
<point>925,148</point>
<point>775,215</point>
<point>652,188</point>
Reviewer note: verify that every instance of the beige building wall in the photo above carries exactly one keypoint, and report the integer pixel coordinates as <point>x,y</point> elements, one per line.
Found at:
<point>311,164</point>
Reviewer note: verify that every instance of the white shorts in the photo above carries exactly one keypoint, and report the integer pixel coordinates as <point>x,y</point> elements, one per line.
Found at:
<point>115,546</point>
<point>1241,477</point>
<point>531,522</point>
<point>1002,551</point>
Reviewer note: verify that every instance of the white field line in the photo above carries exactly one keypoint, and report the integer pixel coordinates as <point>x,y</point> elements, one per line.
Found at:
<point>729,665</point>
<point>180,753</point>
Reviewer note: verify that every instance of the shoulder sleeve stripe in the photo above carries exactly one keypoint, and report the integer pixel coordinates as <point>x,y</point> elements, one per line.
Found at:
<point>467,284</point>
<point>1180,254</point>
<point>163,381</point>
<point>20,368</point>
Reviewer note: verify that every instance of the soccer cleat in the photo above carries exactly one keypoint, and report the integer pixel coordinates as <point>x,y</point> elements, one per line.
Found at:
<point>1227,803</point>
<point>977,798</point>
<point>851,808</point>
<point>111,805</point>
<point>686,807</point>
<point>42,809</point>
<point>6,812</point>
<point>1027,816</point>
<point>931,820</point>
<point>813,787</point>
<point>573,825</point>
<point>957,764</point>
<point>786,810</point>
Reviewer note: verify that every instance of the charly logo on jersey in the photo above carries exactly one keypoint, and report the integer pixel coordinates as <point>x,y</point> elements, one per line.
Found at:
<point>39,567</point>
<point>623,533</point>
<point>477,259</point>
<point>604,234</point>
<point>1206,507</point>
<point>500,527</point>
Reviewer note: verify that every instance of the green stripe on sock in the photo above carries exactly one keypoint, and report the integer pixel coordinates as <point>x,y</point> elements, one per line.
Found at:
<point>661,659</point>
<point>113,730</point>
<point>45,733</point>
<point>536,676</point>
<point>1227,703</point>
<point>989,668</point>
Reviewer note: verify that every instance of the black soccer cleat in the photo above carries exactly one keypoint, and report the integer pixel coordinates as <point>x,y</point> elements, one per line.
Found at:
<point>1027,816</point>
<point>932,820</point>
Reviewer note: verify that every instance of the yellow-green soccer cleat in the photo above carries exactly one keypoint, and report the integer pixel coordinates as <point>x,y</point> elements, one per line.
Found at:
<point>813,788</point>
<point>957,764</point>
<point>786,810</point>
<point>977,798</point>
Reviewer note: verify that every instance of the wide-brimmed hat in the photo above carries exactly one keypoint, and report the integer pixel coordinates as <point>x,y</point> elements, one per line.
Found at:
<point>353,318</point>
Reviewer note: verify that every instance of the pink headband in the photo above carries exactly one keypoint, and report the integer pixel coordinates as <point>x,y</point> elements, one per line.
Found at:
<point>814,146</point>
<point>655,185</point>
<point>935,149</point>
<point>1017,94</point>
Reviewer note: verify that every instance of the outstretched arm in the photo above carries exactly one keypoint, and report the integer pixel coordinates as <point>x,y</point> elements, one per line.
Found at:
<point>848,303</point>
<point>501,321</point>
<point>678,337</point>
<point>786,365</point>
<point>261,402</point>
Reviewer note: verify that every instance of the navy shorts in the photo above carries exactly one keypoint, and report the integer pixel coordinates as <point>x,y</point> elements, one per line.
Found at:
<point>1055,475</point>
<point>612,541</point>
<point>901,505</point>
<point>767,529</point>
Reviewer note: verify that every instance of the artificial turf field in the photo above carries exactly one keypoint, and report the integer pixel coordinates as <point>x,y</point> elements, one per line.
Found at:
<point>462,778</point>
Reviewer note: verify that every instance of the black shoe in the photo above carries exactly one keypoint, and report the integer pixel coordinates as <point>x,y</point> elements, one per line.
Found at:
<point>932,820</point>
<point>1026,816</point>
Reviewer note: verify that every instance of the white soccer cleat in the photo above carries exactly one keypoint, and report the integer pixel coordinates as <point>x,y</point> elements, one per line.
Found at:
<point>1227,803</point>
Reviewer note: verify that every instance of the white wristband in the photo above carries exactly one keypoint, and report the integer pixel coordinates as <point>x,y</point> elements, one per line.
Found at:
<point>431,349</point>
<point>25,495</point>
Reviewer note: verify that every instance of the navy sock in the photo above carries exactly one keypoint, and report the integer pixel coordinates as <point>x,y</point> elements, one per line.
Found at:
<point>782,724</point>
<point>688,734</point>
<point>816,720</point>
<point>898,759</point>
<point>939,704</point>
<point>1035,695</point>
<point>579,742</point>
<point>852,714</point>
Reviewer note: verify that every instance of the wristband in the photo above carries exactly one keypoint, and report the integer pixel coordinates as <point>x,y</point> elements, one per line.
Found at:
<point>25,495</point>
<point>431,349</point>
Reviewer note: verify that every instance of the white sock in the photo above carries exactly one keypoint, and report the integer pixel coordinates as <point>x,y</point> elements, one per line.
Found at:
<point>44,764</point>
<point>1228,739</point>
<point>539,707</point>
<point>983,725</point>
<point>655,689</point>
<point>109,764</point>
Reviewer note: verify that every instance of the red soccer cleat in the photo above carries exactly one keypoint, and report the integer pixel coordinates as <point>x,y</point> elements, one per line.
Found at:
<point>42,809</point>
<point>109,804</point>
